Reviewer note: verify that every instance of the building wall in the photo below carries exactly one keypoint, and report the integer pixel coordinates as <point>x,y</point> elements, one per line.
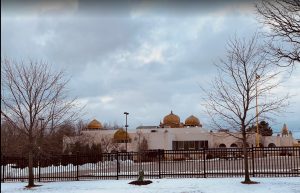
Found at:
<point>162,138</point>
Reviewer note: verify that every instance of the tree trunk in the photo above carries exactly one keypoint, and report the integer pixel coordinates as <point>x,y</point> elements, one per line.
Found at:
<point>246,165</point>
<point>30,166</point>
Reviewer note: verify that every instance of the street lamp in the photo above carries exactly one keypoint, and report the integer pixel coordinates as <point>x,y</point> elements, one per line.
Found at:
<point>257,129</point>
<point>126,114</point>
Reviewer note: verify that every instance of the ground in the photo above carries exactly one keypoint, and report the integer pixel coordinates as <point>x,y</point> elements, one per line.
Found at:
<point>192,185</point>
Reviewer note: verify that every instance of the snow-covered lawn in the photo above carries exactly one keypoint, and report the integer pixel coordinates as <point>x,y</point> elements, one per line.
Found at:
<point>192,185</point>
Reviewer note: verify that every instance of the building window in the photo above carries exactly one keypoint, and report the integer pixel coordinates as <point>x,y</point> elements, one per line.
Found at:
<point>271,145</point>
<point>233,145</point>
<point>189,145</point>
<point>180,145</point>
<point>222,145</point>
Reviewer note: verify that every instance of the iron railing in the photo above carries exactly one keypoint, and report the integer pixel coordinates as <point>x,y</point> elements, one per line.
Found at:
<point>209,162</point>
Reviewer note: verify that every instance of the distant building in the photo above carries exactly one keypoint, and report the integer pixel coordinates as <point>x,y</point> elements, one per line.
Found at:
<point>171,134</point>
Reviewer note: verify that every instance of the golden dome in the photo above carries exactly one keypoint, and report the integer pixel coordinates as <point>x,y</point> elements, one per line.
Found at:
<point>192,121</point>
<point>120,135</point>
<point>94,124</point>
<point>171,120</point>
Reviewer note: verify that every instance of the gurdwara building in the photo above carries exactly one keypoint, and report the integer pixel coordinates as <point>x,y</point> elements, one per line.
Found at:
<point>172,134</point>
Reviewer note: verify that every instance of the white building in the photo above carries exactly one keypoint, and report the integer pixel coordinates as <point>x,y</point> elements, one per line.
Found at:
<point>172,134</point>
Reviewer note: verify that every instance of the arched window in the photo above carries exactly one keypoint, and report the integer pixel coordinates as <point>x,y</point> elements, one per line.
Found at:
<point>271,145</point>
<point>222,145</point>
<point>233,145</point>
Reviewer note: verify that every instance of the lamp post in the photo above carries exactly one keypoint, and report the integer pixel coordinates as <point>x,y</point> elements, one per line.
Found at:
<point>257,128</point>
<point>126,126</point>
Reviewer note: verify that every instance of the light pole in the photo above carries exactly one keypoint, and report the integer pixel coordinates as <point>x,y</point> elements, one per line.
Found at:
<point>257,129</point>
<point>126,126</point>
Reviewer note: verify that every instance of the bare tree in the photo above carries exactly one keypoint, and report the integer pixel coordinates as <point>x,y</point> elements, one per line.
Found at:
<point>108,144</point>
<point>231,100</point>
<point>12,140</point>
<point>142,142</point>
<point>30,91</point>
<point>283,18</point>
<point>113,126</point>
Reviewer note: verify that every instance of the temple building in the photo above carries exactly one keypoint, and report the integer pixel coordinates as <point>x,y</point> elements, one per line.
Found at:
<point>172,134</point>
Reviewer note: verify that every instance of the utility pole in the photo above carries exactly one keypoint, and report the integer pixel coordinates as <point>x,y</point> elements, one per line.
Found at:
<point>126,126</point>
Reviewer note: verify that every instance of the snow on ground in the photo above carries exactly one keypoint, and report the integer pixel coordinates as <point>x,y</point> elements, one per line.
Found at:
<point>192,185</point>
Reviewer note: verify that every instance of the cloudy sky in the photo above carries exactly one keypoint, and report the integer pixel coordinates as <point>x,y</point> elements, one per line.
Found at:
<point>136,56</point>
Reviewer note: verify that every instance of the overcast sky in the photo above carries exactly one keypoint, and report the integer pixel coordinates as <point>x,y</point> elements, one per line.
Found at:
<point>141,57</point>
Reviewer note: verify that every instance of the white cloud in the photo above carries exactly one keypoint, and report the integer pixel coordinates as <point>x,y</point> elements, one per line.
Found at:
<point>147,62</point>
<point>106,99</point>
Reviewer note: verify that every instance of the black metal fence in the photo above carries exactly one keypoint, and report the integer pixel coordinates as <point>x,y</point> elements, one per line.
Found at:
<point>210,162</point>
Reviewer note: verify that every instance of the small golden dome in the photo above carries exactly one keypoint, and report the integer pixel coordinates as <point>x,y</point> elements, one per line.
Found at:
<point>94,124</point>
<point>192,121</point>
<point>120,135</point>
<point>171,120</point>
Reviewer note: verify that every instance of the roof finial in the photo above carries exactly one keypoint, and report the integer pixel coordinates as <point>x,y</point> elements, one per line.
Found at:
<point>284,130</point>
<point>171,112</point>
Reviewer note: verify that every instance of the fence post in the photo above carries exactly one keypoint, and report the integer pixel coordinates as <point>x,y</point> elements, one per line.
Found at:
<point>39,163</point>
<point>253,171</point>
<point>3,167</point>
<point>204,162</point>
<point>159,168</point>
<point>118,167</point>
<point>77,166</point>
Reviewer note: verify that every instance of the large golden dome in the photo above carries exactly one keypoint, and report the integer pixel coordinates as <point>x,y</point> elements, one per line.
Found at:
<point>94,124</point>
<point>171,120</point>
<point>192,121</point>
<point>120,135</point>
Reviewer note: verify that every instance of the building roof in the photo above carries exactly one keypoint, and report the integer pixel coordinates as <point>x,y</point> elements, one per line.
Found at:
<point>147,127</point>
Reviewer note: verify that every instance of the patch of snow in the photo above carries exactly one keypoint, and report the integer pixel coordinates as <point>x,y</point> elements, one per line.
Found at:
<point>192,185</point>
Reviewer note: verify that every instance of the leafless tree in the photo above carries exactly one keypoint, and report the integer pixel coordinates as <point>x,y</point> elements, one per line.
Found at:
<point>12,140</point>
<point>231,99</point>
<point>113,126</point>
<point>31,90</point>
<point>108,144</point>
<point>142,142</point>
<point>283,18</point>
<point>53,142</point>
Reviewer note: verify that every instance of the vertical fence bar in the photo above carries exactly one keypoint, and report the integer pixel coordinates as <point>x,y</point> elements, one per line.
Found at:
<point>253,169</point>
<point>118,166</point>
<point>77,166</point>
<point>3,168</point>
<point>159,159</point>
<point>39,167</point>
<point>204,163</point>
